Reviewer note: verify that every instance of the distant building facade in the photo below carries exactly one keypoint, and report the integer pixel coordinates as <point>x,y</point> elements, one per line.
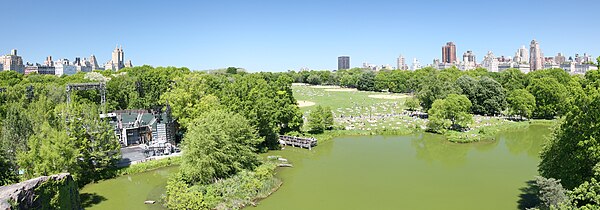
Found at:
<point>63,67</point>
<point>490,62</point>
<point>536,58</point>
<point>449,53</point>
<point>39,69</point>
<point>118,60</point>
<point>12,62</point>
<point>415,64</point>
<point>401,63</point>
<point>343,62</point>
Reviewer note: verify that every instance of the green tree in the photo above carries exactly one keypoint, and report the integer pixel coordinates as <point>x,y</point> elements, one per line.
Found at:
<point>573,150</point>
<point>180,196</point>
<point>550,97</point>
<point>513,79</point>
<point>366,82</point>
<point>218,144</point>
<point>598,62</point>
<point>7,174</point>
<point>314,79</point>
<point>438,122</point>
<point>16,129</point>
<point>398,81</point>
<point>450,113</point>
<point>521,103</point>
<point>191,96</point>
<point>97,146</point>
<point>436,86</point>
<point>50,152</point>
<point>585,196</point>
<point>382,80</point>
<point>320,119</point>
<point>551,193</point>
<point>412,103</point>
<point>486,94</point>
<point>122,92</point>
<point>231,70</point>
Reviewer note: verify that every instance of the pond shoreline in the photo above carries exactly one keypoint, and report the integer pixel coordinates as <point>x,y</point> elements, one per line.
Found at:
<point>484,133</point>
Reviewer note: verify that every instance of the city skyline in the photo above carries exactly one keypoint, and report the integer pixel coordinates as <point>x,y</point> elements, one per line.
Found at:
<point>276,36</point>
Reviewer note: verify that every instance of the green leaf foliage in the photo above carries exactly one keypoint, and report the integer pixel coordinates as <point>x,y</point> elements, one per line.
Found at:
<point>574,149</point>
<point>550,97</point>
<point>450,113</point>
<point>218,144</point>
<point>521,103</point>
<point>320,119</point>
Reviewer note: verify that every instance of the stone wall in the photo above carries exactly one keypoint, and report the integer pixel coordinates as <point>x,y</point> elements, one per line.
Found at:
<point>46,192</point>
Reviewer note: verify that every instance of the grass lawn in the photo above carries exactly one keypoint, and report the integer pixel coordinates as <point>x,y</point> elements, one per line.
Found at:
<point>359,110</point>
<point>381,113</point>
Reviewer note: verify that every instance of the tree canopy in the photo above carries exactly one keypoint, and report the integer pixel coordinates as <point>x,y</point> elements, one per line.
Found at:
<point>521,103</point>
<point>320,119</point>
<point>218,144</point>
<point>450,113</point>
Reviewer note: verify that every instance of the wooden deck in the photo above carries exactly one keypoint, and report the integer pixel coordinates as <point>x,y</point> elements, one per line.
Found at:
<point>301,142</point>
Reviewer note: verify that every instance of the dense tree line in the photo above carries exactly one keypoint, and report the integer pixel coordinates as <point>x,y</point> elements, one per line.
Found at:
<point>228,117</point>
<point>40,134</point>
<point>490,93</point>
<point>36,137</point>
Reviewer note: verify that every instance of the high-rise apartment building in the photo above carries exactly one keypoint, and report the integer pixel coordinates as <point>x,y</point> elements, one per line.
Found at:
<point>535,56</point>
<point>559,58</point>
<point>12,62</point>
<point>521,56</point>
<point>118,60</point>
<point>401,63</point>
<point>469,57</point>
<point>94,63</point>
<point>449,53</point>
<point>490,62</point>
<point>343,62</point>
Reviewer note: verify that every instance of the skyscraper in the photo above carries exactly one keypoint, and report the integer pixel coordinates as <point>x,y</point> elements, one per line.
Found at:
<point>94,63</point>
<point>449,53</point>
<point>343,62</point>
<point>535,56</point>
<point>401,63</point>
<point>118,60</point>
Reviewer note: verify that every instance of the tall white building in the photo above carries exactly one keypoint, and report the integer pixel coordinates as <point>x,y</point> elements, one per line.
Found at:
<point>469,61</point>
<point>490,62</point>
<point>536,59</point>
<point>415,65</point>
<point>118,60</point>
<point>521,56</point>
<point>63,67</point>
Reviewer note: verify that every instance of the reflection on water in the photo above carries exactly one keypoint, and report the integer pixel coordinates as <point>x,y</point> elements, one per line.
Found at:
<point>421,171</point>
<point>127,192</point>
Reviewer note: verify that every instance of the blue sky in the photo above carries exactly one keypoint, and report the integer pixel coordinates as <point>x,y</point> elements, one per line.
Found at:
<point>277,35</point>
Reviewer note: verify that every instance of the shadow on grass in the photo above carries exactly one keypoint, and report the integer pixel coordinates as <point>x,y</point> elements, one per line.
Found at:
<point>90,199</point>
<point>528,197</point>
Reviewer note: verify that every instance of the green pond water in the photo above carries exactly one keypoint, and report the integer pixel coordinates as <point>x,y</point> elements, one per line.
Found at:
<point>421,171</point>
<point>127,192</point>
